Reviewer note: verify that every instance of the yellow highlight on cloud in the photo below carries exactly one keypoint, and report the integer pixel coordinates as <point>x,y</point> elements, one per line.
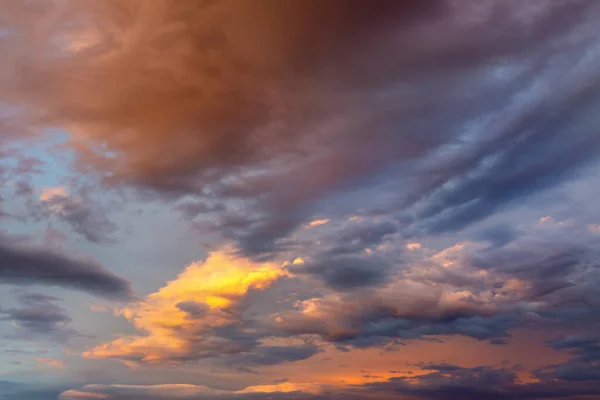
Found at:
<point>166,326</point>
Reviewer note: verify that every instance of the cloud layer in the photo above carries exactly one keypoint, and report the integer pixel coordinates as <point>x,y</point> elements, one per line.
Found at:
<point>360,181</point>
<point>203,99</point>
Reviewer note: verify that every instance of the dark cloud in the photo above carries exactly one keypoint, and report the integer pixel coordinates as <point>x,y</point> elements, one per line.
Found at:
<point>246,60</point>
<point>546,276</point>
<point>273,355</point>
<point>558,265</point>
<point>584,366</point>
<point>27,265</point>
<point>497,235</point>
<point>451,382</point>
<point>395,122</point>
<point>272,119</point>
<point>357,237</point>
<point>346,272</point>
<point>441,381</point>
<point>39,316</point>
<point>374,319</point>
<point>16,391</point>
<point>194,309</point>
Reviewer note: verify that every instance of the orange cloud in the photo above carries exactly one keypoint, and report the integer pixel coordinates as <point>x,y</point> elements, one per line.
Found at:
<point>318,222</point>
<point>284,388</point>
<point>50,362</point>
<point>170,390</point>
<point>202,297</point>
<point>47,193</point>
<point>182,391</point>
<point>78,395</point>
<point>413,246</point>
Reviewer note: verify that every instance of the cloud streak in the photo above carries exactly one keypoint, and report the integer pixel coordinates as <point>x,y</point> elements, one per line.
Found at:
<point>28,265</point>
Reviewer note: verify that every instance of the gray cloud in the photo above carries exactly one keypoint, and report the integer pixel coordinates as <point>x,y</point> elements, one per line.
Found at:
<point>346,272</point>
<point>16,391</point>
<point>83,215</point>
<point>443,133</point>
<point>583,366</point>
<point>38,316</point>
<point>251,124</point>
<point>546,276</point>
<point>273,355</point>
<point>27,265</point>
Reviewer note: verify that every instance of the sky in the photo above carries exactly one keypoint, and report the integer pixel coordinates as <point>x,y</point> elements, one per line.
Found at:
<point>299,199</point>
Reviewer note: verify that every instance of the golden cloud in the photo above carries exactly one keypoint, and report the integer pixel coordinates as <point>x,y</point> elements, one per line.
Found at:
<point>174,319</point>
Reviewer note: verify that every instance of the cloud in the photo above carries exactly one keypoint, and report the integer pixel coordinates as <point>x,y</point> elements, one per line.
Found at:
<point>180,391</point>
<point>27,265</point>
<point>447,381</point>
<point>346,272</point>
<point>545,276</point>
<point>583,366</point>
<point>200,315</point>
<point>50,362</point>
<point>400,311</point>
<point>203,100</point>
<point>39,316</point>
<point>16,390</point>
<point>400,174</point>
<point>80,212</point>
<point>223,87</point>
<point>273,355</point>
<point>438,381</point>
<point>318,222</point>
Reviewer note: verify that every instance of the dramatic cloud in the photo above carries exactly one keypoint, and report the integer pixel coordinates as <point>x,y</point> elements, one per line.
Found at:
<point>546,277</point>
<point>200,315</point>
<point>240,104</point>
<point>392,200</point>
<point>346,272</point>
<point>584,366</point>
<point>27,265</point>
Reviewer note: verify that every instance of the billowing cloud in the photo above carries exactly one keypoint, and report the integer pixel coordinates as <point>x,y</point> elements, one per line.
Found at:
<point>27,265</point>
<point>380,175</point>
<point>544,278</point>
<point>238,105</point>
<point>200,315</point>
<point>584,366</point>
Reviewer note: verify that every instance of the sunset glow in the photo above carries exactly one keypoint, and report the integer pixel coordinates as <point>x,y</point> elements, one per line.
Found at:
<point>299,200</point>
